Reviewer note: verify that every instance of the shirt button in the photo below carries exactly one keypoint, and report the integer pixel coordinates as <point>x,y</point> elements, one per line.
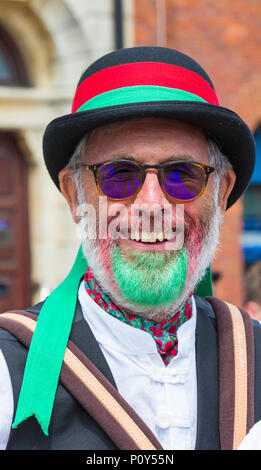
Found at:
<point>156,373</point>
<point>163,419</point>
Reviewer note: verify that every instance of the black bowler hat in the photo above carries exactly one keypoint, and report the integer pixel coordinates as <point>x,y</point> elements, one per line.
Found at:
<point>149,81</point>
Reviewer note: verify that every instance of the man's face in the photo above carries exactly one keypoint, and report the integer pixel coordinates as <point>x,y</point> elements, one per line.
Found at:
<point>147,276</point>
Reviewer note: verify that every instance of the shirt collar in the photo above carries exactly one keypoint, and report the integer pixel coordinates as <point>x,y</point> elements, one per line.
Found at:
<point>114,333</point>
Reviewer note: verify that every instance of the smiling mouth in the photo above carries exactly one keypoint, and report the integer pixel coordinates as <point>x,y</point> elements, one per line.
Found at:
<point>152,241</point>
<point>151,237</point>
<point>154,238</point>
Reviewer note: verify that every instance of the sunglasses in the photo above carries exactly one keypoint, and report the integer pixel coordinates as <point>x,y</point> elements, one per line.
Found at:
<point>123,179</point>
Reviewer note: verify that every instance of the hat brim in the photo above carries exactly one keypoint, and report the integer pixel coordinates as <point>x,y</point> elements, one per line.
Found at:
<point>229,130</point>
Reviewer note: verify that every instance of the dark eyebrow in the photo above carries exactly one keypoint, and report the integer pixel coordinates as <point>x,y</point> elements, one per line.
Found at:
<point>171,158</point>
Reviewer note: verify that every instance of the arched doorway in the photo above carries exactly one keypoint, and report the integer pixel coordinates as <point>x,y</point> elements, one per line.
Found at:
<point>15,289</point>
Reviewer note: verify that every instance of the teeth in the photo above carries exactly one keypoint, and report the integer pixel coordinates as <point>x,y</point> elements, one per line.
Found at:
<point>160,237</point>
<point>151,237</point>
<point>135,236</point>
<point>145,237</point>
<point>168,235</point>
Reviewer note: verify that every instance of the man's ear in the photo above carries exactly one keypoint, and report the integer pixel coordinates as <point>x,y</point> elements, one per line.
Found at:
<point>226,186</point>
<point>69,191</point>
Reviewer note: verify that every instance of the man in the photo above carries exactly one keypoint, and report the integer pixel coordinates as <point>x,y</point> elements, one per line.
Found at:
<point>146,145</point>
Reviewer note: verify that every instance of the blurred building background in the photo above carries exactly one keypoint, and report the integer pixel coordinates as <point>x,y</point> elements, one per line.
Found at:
<point>44,47</point>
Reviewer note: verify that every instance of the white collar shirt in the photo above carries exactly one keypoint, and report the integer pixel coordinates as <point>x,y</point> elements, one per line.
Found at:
<point>164,397</point>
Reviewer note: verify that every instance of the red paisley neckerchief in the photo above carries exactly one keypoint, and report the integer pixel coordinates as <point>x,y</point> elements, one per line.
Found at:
<point>164,333</point>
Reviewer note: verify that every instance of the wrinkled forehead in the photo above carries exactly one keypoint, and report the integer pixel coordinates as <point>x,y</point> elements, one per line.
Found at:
<point>143,124</point>
<point>148,136</point>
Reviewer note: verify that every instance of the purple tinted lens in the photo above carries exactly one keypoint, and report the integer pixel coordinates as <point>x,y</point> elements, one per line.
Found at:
<point>119,180</point>
<point>183,181</point>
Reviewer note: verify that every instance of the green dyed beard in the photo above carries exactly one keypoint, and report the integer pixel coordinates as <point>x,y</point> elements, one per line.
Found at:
<point>150,279</point>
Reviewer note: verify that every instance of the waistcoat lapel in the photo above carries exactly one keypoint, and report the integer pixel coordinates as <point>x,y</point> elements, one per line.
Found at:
<point>207,378</point>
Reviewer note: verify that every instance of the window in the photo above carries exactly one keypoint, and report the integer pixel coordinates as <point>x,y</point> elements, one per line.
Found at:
<point>12,69</point>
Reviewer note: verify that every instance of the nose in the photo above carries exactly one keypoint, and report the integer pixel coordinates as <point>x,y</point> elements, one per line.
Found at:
<point>151,192</point>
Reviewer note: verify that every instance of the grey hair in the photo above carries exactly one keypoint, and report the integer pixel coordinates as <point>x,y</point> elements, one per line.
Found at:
<point>217,159</point>
<point>74,162</point>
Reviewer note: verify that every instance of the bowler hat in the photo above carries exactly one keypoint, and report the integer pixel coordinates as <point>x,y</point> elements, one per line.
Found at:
<point>149,81</point>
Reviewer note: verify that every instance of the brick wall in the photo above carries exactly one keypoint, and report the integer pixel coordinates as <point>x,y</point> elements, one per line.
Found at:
<point>225,38</point>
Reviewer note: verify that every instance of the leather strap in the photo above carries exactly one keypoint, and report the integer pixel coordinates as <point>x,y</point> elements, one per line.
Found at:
<point>89,386</point>
<point>236,365</point>
<point>240,355</point>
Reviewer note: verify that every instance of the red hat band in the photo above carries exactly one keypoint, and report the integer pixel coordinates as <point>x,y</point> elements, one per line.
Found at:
<point>141,81</point>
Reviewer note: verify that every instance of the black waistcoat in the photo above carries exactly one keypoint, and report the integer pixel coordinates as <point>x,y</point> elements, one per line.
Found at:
<point>71,427</point>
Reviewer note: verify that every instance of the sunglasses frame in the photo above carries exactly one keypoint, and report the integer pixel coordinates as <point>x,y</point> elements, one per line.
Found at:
<point>160,167</point>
